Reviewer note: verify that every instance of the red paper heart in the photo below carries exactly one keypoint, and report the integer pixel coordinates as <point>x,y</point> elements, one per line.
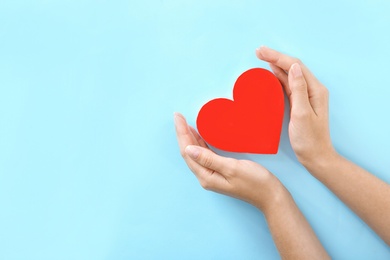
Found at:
<point>252,121</point>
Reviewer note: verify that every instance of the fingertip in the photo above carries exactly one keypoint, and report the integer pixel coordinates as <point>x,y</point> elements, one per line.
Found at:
<point>179,117</point>
<point>177,114</point>
<point>176,118</point>
<point>180,123</point>
<point>259,51</point>
<point>193,151</point>
<point>296,70</point>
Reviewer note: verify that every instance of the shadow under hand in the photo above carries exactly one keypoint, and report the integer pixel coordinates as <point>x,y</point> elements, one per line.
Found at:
<point>285,145</point>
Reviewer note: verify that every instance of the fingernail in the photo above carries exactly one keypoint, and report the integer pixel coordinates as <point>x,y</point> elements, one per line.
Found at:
<point>296,70</point>
<point>263,47</point>
<point>259,48</point>
<point>176,117</point>
<point>192,151</point>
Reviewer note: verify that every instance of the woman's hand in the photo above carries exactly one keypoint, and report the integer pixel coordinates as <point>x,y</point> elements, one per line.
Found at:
<point>363,192</point>
<point>241,179</point>
<point>308,128</point>
<point>251,182</point>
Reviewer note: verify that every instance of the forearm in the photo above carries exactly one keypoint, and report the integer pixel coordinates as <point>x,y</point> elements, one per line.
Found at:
<point>365,194</point>
<point>292,234</point>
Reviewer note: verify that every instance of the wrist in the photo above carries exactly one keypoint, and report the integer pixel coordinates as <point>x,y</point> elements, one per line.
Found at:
<point>279,204</point>
<point>322,161</point>
<point>278,196</point>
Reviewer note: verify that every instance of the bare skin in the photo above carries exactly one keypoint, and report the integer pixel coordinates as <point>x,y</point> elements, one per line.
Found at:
<point>309,136</point>
<point>249,181</point>
<point>364,193</point>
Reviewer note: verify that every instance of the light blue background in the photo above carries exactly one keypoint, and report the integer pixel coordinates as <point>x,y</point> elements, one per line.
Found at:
<point>89,164</point>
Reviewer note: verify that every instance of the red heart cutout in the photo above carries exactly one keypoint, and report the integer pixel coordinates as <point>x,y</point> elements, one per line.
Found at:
<point>252,121</point>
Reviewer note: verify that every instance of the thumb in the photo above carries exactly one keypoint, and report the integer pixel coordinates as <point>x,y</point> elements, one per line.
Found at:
<point>299,98</point>
<point>210,160</point>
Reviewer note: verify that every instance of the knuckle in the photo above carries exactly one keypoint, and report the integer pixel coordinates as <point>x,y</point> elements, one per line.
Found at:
<point>277,60</point>
<point>182,153</point>
<point>296,60</point>
<point>325,91</point>
<point>208,161</point>
<point>205,184</point>
<point>299,86</point>
<point>233,166</point>
<point>278,73</point>
<point>301,114</point>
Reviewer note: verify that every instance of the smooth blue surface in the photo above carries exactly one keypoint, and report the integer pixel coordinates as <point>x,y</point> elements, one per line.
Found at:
<point>89,164</point>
